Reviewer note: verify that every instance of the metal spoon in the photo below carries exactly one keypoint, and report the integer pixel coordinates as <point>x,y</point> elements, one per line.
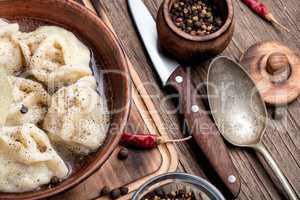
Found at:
<point>239,111</point>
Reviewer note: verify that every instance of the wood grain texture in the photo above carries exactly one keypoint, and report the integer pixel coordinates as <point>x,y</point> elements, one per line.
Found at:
<point>282,137</point>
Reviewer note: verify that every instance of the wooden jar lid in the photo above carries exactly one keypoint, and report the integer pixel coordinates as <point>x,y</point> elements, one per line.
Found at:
<point>275,69</point>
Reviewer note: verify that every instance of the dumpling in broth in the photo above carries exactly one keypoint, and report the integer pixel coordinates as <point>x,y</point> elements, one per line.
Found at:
<point>32,97</point>
<point>55,56</point>
<point>28,160</point>
<point>78,116</point>
<point>10,53</point>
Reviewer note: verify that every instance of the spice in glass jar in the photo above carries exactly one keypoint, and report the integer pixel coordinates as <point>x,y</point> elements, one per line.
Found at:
<point>196,17</point>
<point>173,195</point>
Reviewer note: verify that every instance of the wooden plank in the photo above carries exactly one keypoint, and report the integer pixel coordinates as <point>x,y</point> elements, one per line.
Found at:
<point>281,138</point>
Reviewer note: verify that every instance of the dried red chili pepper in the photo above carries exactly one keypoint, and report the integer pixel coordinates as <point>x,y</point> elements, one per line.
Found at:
<point>262,10</point>
<point>146,141</point>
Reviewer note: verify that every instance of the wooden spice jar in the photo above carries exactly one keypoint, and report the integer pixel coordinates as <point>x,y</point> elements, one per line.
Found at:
<point>186,47</point>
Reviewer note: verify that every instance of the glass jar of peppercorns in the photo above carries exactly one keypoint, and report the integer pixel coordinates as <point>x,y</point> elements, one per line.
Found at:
<point>179,186</point>
<point>192,29</point>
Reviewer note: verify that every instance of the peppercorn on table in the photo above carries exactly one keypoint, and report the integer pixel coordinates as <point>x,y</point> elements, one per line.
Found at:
<point>281,137</point>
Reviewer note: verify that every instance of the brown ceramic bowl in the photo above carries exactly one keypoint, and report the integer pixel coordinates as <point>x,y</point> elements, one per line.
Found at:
<point>109,55</point>
<point>186,47</point>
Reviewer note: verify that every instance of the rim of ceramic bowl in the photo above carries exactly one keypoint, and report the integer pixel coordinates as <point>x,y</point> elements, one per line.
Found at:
<point>122,118</point>
<point>166,14</point>
<point>199,182</point>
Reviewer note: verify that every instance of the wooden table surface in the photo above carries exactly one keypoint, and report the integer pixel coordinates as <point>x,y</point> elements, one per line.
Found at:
<point>282,137</point>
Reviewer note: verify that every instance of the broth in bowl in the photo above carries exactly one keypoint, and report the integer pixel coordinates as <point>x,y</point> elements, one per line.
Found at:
<point>59,112</point>
<point>108,66</point>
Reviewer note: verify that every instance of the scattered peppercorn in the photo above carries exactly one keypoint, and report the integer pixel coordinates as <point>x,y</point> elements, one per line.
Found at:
<point>23,109</point>
<point>54,180</point>
<point>115,193</point>
<point>196,17</point>
<point>123,154</point>
<point>105,191</point>
<point>124,190</point>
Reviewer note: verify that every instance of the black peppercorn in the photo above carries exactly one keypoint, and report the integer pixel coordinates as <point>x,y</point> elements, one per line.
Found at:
<point>105,191</point>
<point>181,194</point>
<point>159,192</point>
<point>196,17</point>
<point>54,180</point>
<point>116,193</point>
<point>123,154</point>
<point>197,24</point>
<point>189,29</point>
<point>124,190</point>
<point>23,109</point>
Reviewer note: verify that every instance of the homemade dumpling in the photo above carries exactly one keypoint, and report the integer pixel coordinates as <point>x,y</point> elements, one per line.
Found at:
<point>10,53</point>
<point>55,56</point>
<point>78,116</point>
<point>30,101</point>
<point>28,160</point>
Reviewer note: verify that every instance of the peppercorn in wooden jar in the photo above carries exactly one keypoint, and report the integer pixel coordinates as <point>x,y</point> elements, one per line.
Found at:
<point>192,30</point>
<point>196,17</point>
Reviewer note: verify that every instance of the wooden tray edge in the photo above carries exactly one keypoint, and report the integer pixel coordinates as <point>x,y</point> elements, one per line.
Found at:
<point>152,121</point>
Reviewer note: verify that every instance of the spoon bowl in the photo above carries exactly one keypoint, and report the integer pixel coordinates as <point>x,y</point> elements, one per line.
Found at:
<point>239,111</point>
<point>238,108</point>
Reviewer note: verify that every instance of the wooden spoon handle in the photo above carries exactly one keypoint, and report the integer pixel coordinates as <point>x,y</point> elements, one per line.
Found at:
<point>204,130</point>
